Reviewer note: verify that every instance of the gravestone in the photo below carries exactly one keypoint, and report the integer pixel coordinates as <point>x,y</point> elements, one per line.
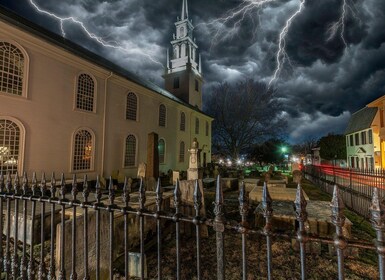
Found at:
<point>118,231</point>
<point>187,188</point>
<point>142,170</point>
<point>152,168</point>
<point>193,172</point>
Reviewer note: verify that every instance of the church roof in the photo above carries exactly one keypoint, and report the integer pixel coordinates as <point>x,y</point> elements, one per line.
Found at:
<point>26,25</point>
<point>361,120</point>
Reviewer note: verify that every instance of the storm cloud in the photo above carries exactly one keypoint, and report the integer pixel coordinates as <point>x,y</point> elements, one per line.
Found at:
<point>325,81</point>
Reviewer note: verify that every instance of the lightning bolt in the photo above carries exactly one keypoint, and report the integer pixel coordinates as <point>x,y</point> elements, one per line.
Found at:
<point>91,35</point>
<point>340,24</point>
<point>282,55</point>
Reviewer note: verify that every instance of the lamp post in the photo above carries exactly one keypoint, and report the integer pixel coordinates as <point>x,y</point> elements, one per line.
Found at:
<point>284,151</point>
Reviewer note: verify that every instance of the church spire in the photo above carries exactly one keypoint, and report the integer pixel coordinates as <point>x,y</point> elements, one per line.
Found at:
<point>184,14</point>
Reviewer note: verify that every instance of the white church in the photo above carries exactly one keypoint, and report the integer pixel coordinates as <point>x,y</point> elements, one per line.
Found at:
<point>66,109</point>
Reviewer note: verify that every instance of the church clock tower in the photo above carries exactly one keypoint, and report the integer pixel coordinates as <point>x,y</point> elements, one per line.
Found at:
<point>183,76</point>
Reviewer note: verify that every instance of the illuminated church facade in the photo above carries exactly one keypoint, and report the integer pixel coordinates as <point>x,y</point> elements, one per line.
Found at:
<point>66,109</point>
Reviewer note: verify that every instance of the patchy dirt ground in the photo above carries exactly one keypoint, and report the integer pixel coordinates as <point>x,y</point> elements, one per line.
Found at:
<point>286,261</point>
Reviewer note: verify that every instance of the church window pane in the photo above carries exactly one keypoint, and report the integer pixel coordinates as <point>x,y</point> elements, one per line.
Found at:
<point>132,106</point>
<point>162,115</point>
<point>83,150</point>
<point>130,153</point>
<point>11,69</point>
<point>9,146</point>
<point>85,93</point>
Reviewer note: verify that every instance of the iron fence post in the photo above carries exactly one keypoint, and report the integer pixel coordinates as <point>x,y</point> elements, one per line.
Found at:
<point>377,210</point>
<point>86,193</point>
<point>126,199</point>
<point>74,192</point>
<point>243,210</point>
<point>177,204</point>
<point>43,188</point>
<point>159,200</point>
<point>301,215</point>
<point>219,228</point>
<point>31,264</point>
<point>61,274</point>
<point>196,221</point>
<point>111,196</point>
<point>23,261</point>
<point>338,219</point>
<point>268,214</point>
<point>51,272</point>
<point>15,259</point>
<point>142,202</point>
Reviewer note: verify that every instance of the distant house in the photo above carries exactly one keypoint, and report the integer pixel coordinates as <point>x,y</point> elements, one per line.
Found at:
<point>362,139</point>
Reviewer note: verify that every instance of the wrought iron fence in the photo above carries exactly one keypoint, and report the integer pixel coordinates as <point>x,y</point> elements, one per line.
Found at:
<point>356,185</point>
<point>17,259</point>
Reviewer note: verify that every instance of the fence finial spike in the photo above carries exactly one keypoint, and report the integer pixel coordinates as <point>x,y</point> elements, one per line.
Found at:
<point>126,191</point>
<point>8,182</point>
<point>86,190</point>
<point>142,194</point>
<point>1,181</point>
<point>159,195</point>
<point>219,191</point>
<point>25,183</point>
<point>53,185</point>
<point>177,194</point>
<point>111,191</point>
<point>34,184</point>
<point>62,186</point>
<point>300,199</point>
<point>98,193</point>
<point>16,184</point>
<point>337,201</point>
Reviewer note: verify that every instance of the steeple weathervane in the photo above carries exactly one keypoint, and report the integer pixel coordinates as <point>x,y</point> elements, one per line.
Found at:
<point>184,10</point>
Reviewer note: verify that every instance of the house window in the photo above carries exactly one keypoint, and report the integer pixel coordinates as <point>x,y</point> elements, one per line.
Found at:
<point>83,150</point>
<point>130,151</point>
<point>196,85</point>
<point>196,126</point>
<point>370,136</point>
<point>11,69</point>
<point>363,137</point>
<point>357,139</point>
<point>351,140</point>
<point>182,121</point>
<point>132,106</point>
<point>207,128</point>
<point>181,152</point>
<point>176,82</point>
<point>10,146</point>
<point>85,93</point>
<point>161,149</point>
<point>162,115</point>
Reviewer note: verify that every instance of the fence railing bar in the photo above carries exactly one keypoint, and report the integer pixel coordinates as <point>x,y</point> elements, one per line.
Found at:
<point>111,206</point>
<point>377,210</point>
<point>86,193</point>
<point>62,274</point>
<point>243,210</point>
<point>338,219</point>
<point>98,195</point>
<point>197,206</point>
<point>15,259</point>
<point>158,201</point>
<point>177,203</point>
<point>268,214</point>
<point>7,261</point>
<point>142,201</point>
<point>51,272</point>
<point>219,229</point>
<point>301,215</point>
<point>74,193</point>
<point>31,264</point>
<point>126,200</point>
<point>23,261</point>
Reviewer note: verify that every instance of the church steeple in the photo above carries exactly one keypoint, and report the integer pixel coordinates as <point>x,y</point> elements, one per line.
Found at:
<point>184,14</point>
<point>183,76</point>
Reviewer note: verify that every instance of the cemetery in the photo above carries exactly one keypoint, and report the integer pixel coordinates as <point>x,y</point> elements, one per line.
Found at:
<point>172,229</point>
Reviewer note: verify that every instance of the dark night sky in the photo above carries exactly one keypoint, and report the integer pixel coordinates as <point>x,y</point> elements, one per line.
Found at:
<point>325,81</point>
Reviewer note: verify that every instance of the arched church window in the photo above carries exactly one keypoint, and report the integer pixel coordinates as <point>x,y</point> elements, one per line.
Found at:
<point>132,106</point>
<point>83,150</point>
<point>10,146</point>
<point>11,69</point>
<point>182,121</point>
<point>130,152</point>
<point>162,115</point>
<point>85,93</point>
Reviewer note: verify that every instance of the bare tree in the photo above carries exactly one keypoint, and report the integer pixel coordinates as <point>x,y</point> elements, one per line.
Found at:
<point>244,114</point>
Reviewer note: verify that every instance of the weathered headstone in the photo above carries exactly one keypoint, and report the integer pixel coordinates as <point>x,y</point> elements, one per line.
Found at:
<point>118,232</point>
<point>142,170</point>
<point>152,169</point>
<point>194,164</point>
<point>187,188</point>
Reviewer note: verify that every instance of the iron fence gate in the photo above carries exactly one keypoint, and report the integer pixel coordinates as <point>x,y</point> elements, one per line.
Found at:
<point>53,200</point>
